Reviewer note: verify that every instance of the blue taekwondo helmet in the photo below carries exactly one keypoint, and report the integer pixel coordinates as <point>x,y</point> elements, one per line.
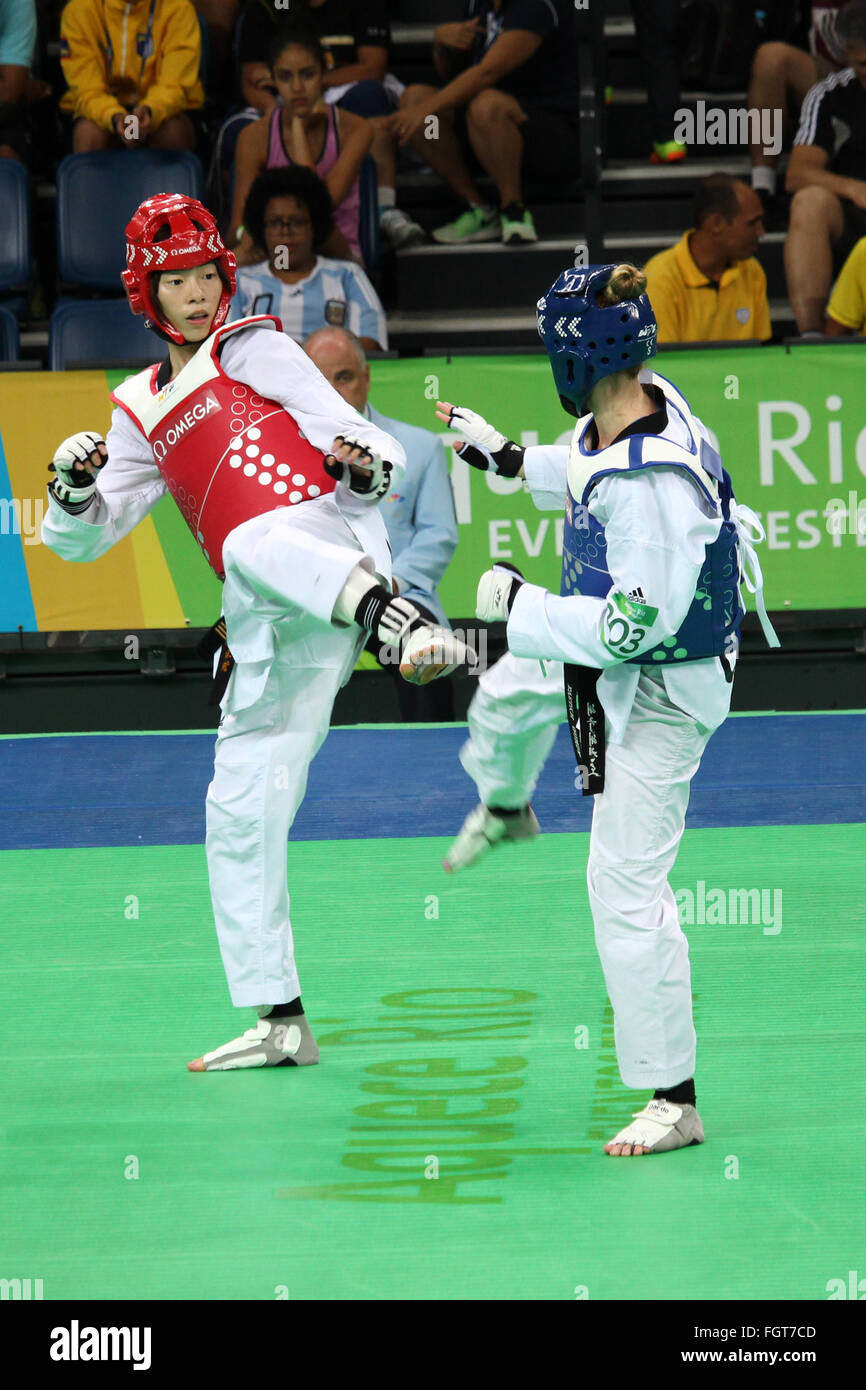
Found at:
<point>585,342</point>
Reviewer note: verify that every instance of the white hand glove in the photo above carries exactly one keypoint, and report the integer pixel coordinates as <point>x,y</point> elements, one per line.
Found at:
<point>75,466</point>
<point>373,483</point>
<point>497,589</point>
<point>485,448</point>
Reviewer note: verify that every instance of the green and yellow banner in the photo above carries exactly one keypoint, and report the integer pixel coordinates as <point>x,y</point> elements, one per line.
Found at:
<point>791,425</point>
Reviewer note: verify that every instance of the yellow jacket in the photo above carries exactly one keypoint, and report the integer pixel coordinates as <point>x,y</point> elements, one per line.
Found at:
<point>117,54</point>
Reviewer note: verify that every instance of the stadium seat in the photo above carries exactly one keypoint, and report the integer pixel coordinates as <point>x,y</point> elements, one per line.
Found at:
<point>368,216</point>
<point>99,333</point>
<point>14,224</point>
<point>96,196</point>
<point>10,347</point>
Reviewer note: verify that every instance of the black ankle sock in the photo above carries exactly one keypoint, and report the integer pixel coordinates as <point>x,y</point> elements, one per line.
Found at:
<point>513,211</point>
<point>682,1094</point>
<point>506,811</point>
<point>290,1010</point>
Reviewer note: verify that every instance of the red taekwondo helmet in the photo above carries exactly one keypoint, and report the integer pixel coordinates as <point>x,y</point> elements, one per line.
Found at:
<point>173,232</point>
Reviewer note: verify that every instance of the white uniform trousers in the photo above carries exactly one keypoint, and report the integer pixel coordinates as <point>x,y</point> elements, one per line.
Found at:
<point>637,825</point>
<point>513,718</point>
<point>265,745</point>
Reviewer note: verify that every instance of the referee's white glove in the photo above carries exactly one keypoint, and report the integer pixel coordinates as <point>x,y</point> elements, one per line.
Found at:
<point>485,448</point>
<point>75,466</point>
<point>497,590</point>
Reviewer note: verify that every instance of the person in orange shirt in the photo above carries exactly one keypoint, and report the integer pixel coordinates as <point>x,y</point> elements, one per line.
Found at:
<point>709,287</point>
<point>132,67</point>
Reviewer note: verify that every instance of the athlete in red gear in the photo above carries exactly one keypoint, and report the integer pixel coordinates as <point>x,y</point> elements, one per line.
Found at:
<point>279,480</point>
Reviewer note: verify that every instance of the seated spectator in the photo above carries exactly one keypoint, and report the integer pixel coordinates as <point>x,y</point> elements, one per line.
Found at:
<point>132,67</point>
<point>17,88</point>
<point>709,287</point>
<point>846,312</point>
<point>289,211</point>
<point>304,130</point>
<point>509,67</point>
<point>781,76</point>
<point>827,176</point>
<point>354,35</point>
<point>655,25</point>
<point>420,517</point>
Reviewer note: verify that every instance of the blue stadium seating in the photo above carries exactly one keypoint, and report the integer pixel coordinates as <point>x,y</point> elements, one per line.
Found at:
<point>99,333</point>
<point>10,347</point>
<point>14,224</point>
<point>96,196</point>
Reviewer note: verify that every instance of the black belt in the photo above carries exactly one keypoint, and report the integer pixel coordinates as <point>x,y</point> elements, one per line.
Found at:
<point>586,722</point>
<point>215,640</point>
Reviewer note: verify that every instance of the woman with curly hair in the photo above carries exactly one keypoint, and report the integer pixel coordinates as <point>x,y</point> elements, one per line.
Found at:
<point>289,212</point>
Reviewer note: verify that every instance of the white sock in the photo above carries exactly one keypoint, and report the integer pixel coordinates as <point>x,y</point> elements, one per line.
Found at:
<point>764,177</point>
<point>387,198</point>
<point>359,583</point>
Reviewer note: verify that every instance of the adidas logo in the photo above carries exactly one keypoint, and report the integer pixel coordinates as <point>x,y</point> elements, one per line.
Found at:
<point>637,595</point>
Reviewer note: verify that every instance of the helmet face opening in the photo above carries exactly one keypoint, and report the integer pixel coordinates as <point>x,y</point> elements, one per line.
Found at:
<point>173,232</point>
<point>586,341</point>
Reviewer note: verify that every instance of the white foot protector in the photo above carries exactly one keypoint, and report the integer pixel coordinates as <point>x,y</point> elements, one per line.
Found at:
<point>661,1126</point>
<point>482,830</point>
<point>284,1042</point>
<point>431,652</point>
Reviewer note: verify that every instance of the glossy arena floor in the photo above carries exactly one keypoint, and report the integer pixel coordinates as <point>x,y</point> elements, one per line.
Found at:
<point>463,1026</point>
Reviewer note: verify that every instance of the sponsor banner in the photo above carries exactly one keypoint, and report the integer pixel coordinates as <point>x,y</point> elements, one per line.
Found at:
<point>790,424</point>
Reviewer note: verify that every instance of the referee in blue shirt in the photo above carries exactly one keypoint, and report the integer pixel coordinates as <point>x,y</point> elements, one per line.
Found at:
<point>419,511</point>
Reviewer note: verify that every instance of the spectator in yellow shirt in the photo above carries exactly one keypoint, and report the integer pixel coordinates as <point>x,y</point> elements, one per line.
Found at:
<point>132,67</point>
<point>709,287</point>
<point>846,311</point>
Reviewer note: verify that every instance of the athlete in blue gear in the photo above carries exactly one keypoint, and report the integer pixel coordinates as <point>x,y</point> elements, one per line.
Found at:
<point>644,637</point>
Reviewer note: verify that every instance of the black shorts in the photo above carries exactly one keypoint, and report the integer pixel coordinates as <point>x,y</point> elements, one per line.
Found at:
<point>853,228</point>
<point>15,129</point>
<point>551,144</point>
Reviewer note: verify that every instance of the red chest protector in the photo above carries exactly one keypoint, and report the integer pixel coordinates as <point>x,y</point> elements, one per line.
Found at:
<point>226,454</point>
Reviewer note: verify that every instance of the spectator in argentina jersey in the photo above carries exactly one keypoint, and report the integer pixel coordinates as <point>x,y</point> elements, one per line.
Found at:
<point>289,211</point>
<point>510,66</point>
<point>827,176</point>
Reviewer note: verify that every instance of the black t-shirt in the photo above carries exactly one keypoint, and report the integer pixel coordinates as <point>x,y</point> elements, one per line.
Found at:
<point>834,118</point>
<point>342,26</point>
<point>549,78</point>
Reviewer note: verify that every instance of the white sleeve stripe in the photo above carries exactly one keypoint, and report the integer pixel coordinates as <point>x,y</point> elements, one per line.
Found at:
<point>812,105</point>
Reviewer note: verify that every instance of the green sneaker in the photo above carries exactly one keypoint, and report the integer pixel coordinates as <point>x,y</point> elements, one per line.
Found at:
<point>473,225</point>
<point>517,230</point>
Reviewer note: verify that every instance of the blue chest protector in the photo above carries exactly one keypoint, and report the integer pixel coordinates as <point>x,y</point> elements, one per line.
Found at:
<point>712,624</point>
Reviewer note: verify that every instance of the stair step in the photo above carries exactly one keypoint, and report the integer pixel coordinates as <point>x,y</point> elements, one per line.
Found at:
<point>490,274</point>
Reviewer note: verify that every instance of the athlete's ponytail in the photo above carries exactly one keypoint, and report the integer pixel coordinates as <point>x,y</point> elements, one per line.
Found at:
<point>626,282</point>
